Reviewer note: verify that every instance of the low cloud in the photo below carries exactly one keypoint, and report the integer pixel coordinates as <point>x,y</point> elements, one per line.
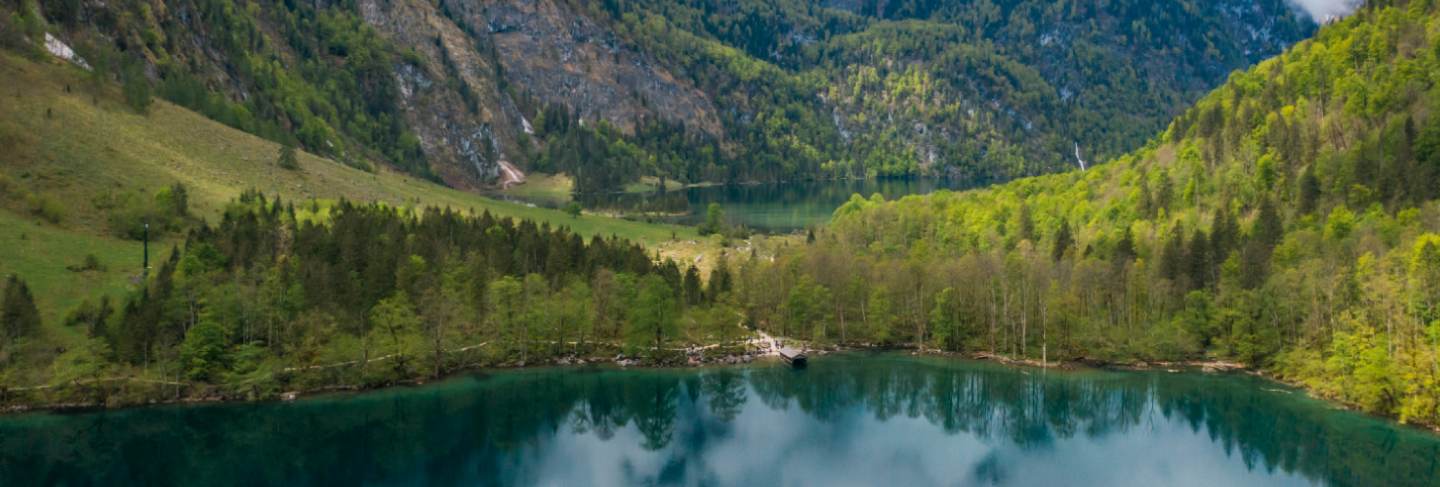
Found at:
<point>1321,10</point>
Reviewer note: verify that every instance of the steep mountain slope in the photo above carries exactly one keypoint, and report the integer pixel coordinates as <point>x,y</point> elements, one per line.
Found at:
<point>694,90</point>
<point>1288,221</point>
<point>991,89</point>
<point>79,169</point>
<point>430,89</point>
<point>507,59</point>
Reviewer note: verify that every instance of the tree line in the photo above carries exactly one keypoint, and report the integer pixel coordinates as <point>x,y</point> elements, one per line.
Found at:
<point>277,296</point>
<point>1288,221</point>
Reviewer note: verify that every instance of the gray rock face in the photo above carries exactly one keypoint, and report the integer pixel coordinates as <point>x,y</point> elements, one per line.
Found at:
<point>563,57</point>
<point>450,99</point>
<point>478,57</point>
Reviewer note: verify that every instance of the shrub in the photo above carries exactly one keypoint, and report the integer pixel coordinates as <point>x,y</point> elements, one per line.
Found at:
<point>167,211</point>
<point>287,159</point>
<point>45,207</point>
<point>91,263</point>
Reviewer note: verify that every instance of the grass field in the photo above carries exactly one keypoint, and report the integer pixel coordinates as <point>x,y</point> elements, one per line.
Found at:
<point>547,189</point>
<point>41,254</point>
<point>72,147</point>
<point>68,145</point>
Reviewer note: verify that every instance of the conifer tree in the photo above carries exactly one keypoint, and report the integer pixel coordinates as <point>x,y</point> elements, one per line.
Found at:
<point>18,315</point>
<point>692,286</point>
<point>1063,241</point>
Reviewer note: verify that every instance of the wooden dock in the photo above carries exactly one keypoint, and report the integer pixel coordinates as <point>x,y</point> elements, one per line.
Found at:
<point>794,357</point>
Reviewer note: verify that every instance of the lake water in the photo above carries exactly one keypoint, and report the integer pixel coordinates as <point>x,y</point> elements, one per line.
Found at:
<point>778,207</point>
<point>853,419</point>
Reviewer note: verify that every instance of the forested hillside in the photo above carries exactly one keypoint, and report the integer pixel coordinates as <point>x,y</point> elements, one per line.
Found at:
<point>989,89</point>
<point>693,91</point>
<point>83,175</point>
<point>282,297</point>
<point>1288,221</point>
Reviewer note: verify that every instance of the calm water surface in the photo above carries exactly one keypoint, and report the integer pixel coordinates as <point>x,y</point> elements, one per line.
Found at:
<point>883,419</point>
<point>779,207</point>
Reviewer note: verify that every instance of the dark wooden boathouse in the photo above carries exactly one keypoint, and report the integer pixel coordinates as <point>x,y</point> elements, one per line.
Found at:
<point>794,357</point>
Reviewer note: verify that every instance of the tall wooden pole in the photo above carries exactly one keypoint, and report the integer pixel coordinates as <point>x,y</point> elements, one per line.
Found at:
<point>145,269</point>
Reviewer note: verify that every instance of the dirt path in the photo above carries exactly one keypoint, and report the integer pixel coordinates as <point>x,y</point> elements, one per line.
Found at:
<point>768,345</point>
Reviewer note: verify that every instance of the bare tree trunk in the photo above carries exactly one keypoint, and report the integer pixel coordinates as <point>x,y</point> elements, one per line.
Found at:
<point>993,299</point>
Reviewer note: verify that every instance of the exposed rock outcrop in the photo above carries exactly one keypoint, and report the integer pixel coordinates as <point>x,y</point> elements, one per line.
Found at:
<point>480,56</point>
<point>451,102</point>
<point>564,57</point>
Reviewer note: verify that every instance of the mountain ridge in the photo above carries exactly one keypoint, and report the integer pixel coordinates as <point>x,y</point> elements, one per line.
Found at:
<point>691,91</point>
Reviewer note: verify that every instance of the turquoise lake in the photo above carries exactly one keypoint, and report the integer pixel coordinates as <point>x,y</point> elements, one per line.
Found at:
<point>850,419</point>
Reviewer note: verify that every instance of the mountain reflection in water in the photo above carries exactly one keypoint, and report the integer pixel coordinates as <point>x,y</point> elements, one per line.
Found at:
<point>852,419</point>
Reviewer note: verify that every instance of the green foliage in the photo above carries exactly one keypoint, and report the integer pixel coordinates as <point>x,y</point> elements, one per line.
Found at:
<point>573,209</point>
<point>204,354</point>
<point>264,302</point>
<point>714,220</point>
<point>287,159</point>
<point>1064,241</point>
<point>945,319</point>
<point>504,297</point>
<point>936,87</point>
<point>395,331</point>
<point>45,207</point>
<point>806,309</point>
<point>19,318</point>
<point>1235,235</point>
<point>297,72</point>
<point>86,361</point>
<point>653,315</point>
<point>135,86</point>
<point>166,211</point>
<point>23,29</point>
<point>1424,278</point>
<point>980,96</point>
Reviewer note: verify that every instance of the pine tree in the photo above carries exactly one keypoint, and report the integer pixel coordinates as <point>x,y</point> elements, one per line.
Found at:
<point>1265,234</point>
<point>720,277</point>
<point>1125,249</point>
<point>135,86</point>
<point>1197,263</point>
<point>1268,228</point>
<point>1171,259</point>
<point>1063,241</point>
<point>18,315</point>
<point>287,158</point>
<point>1224,233</point>
<point>1309,191</point>
<point>692,286</point>
<point>1027,223</point>
<point>714,220</point>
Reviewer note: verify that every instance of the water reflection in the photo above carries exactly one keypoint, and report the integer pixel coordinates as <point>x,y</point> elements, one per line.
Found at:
<point>849,420</point>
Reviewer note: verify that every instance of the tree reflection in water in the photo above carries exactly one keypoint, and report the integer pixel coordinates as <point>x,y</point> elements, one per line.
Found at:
<point>848,419</point>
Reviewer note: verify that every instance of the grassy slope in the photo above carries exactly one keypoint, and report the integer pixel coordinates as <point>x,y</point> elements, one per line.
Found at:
<point>83,149</point>
<point>89,145</point>
<point>547,189</point>
<point>40,253</point>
